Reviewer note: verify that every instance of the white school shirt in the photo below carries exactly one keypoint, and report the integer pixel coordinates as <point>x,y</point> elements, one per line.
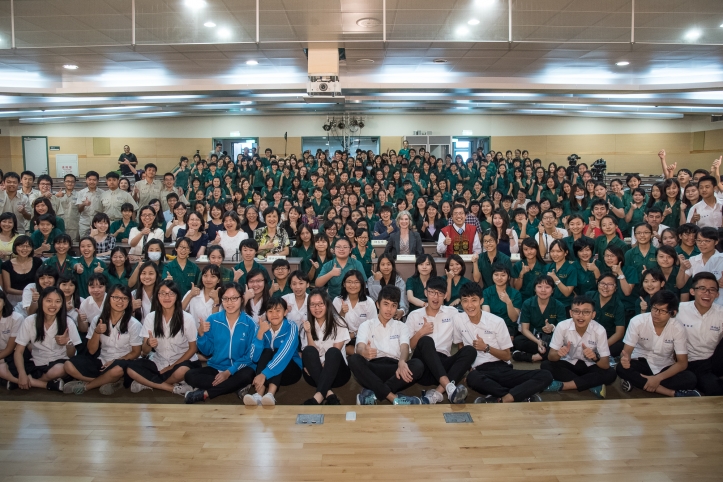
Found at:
<point>714,265</point>
<point>230,244</point>
<point>255,310</point>
<point>709,216</point>
<point>443,333</point>
<point>491,328</point>
<point>546,238</point>
<point>25,301</point>
<point>342,335</point>
<point>358,314</point>
<point>117,344</point>
<point>595,338</point>
<point>90,308</point>
<point>296,314</point>
<point>157,233</point>
<point>47,350</point>
<point>198,308</point>
<point>387,340</point>
<point>171,349</point>
<point>9,328</point>
<point>174,231</point>
<point>659,351</point>
<point>704,331</point>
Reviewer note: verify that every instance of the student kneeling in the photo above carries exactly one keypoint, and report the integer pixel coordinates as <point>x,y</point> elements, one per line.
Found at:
<point>382,348</point>
<point>655,354</point>
<point>493,374</point>
<point>579,356</point>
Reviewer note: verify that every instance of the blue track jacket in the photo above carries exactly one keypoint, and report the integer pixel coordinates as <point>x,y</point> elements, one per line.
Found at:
<point>231,350</point>
<point>286,346</point>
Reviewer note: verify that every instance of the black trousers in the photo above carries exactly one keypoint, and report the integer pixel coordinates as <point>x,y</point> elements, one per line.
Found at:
<point>524,344</point>
<point>202,379</point>
<point>437,365</point>
<point>290,375</point>
<point>684,380</point>
<point>379,374</point>
<point>708,372</point>
<point>499,378</point>
<point>333,374</point>
<point>585,377</point>
<point>616,348</point>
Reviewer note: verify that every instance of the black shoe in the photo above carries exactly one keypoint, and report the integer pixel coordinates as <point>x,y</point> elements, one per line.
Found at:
<point>55,385</point>
<point>12,385</point>
<point>195,396</point>
<point>311,401</point>
<point>333,400</point>
<point>521,356</point>
<point>488,399</point>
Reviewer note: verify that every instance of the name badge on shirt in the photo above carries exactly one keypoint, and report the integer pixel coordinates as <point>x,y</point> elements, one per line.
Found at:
<point>363,315</point>
<point>446,320</point>
<point>393,337</point>
<point>668,341</point>
<point>714,328</point>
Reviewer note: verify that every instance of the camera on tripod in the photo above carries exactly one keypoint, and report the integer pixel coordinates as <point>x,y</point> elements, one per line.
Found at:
<point>598,169</point>
<point>572,167</point>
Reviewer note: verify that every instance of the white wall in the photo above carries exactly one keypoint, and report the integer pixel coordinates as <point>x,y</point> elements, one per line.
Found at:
<point>379,125</point>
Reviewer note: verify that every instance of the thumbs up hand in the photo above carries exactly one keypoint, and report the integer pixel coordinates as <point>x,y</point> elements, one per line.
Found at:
<point>643,305</point>
<point>335,271</point>
<point>203,327</point>
<point>548,328</point>
<point>213,294</point>
<point>137,305</point>
<point>63,339</point>
<point>370,352</point>
<point>684,263</point>
<point>344,308</point>
<point>249,295</point>
<point>98,269</point>
<point>274,287</point>
<point>101,327</point>
<point>479,344</point>
<point>565,349</point>
<point>307,326</point>
<point>587,351</point>
<point>195,290</point>
<point>36,295</point>
<point>696,217</point>
<point>152,340</point>
<point>427,328</point>
<point>625,360</point>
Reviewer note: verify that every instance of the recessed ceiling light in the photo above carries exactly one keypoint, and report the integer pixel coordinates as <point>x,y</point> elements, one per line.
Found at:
<point>368,61</point>
<point>209,24</point>
<point>721,25</point>
<point>462,31</point>
<point>485,3</point>
<point>195,3</point>
<point>252,62</point>
<point>224,32</point>
<point>693,34</point>
<point>473,21</point>
<point>440,61</point>
<point>70,66</point>
<point>368,22</point>
<point>622,63</point>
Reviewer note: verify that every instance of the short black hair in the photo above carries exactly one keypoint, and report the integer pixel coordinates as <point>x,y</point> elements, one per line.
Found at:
<point>469,290</point>
<point>703,275</point>
<point>583,300</point>
<point>667,298</point>
<point>437,283</point>
<point>709,233</point>
<point>390,293</point>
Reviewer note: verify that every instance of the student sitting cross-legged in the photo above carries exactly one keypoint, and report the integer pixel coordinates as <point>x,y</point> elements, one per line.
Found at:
<point>323,354</point>
<point>276,352</point>
<point>432,331</point>
<point>114,339</point>
<point>382,347</point>
<point>228,336</point>
<point>171,334</point>
<point>655,354</point>
<point>579,356</point>
<point>492,374</point>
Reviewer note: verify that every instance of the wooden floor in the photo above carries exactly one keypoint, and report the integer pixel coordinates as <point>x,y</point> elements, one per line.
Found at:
<point>615,440</point>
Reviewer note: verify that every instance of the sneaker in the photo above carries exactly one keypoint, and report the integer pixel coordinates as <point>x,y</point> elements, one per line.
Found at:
<point>12,385</point>
<point>311,401</point>
<point>614,360</point>
<point>252,400</point>
<point>268,400</point>
<point>407,400</point>
<point>366,397</point>
<point>687,393</point>
<point>76,386</point>
<point>243,391</point>
<point>431,397</point>
<point>599,391</point>
<point>56,385</point>
<point>533,398</point>
<point>182,388</point>
<point>487,399</point>
<point>194,396</point>
<point>626,386</point>
<point>459,395</point>
<point>521,356</point>
<point>555,386</point>
<point>111,388</point>
<point>137,387</point>
<point>333,400</point>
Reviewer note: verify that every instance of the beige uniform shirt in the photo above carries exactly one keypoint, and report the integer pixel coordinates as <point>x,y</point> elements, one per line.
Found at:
<point>13,206</point>
<point>148,191</point>
<point>165,192</point>
<point>112,201</point>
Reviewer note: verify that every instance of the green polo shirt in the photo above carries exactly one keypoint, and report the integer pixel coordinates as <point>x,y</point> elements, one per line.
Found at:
<point>499,307</point>
<point>183,277</point>
<point>609,316</point>
<point>601,244</point>
<point>632,275</point>
<point>320,207</point>
<point>302,252</point>
<point>673,219</point>
<point>455,288</point>
<point>333,286</point>
<point>283,291</point>
<point>113,279</point>
<point>530,313</point>
<point>116,225</point>
<point>255,265</point>
<point>38,239</point>
<point>86,274</point>
<point>695,251</point>
<point>367,260</point>
<point>635,258</point>
<point>568,276</point>
<point>485,266</point>
<point>528,281</point>
<point>415,285</point>
<point>585,279</point>
<point>226,276</point>
<point>66,269</point>
<point>59,225</point>
<point>570,241</point>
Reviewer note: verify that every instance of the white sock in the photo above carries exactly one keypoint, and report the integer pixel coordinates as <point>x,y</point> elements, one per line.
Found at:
<point>451,387</point>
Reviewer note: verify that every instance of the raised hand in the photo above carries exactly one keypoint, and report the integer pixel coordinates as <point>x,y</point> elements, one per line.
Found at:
<point>203,327</point>
<point>565,349</point>
<point>137,304</point>
<point>695,218</point>
<point>307,326</point>
<point>548,328</point>
<point>152,340</point>
<point>448,240</point>
<point>479,344</point>
<point>98,269</point>
<point>36,295</point>
<point>249,295</point>
<point>625,360</point>
<point>588,352</point>
<point>213,294</point>
<point>378,275</point>
<point>344,308</point>
<point>684,263</point>
<point>667,211</point>
<point>101,327</point>
<point>370,352</point>
<point>661,154</point>
<point>195,290</point>
<point>63,339</point>
<point>643,305</point>
<point>427,328</point>
<point>79,268</point>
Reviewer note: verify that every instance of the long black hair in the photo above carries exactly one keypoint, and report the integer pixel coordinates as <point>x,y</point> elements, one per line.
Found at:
<point>332,319</point>
<point>215,271</point>
<point>127,313</point>
<point>264,297</point>
<point>176,322</point>
<point>62,279</point>
<point>7,306</point>
<point>421,259</point>
<point>61,317</point>
<point>126,266</point>
<point>139,286</point>
<point>353,273</point>
<point>393,274</point>
<point>315,253</point>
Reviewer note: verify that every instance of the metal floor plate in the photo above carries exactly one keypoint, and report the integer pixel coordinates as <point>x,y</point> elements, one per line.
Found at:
<point>310,419</point>
<point>457,417</point>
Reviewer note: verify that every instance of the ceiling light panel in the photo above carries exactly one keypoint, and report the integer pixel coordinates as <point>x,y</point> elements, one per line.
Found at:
<point>175,22</point>
<point>691,21</point>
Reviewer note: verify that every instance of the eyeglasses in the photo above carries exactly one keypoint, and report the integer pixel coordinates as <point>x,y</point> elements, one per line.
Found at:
<point>607,285</point>
<point>183,247</point>
<point>230,299</point>
<point>581,312</point>
<point>431,293</point>
<point>166,294</point>
<point>703,290</point>
<point>704,240</point>
<point>119,298</point>
<point>316,305</point>
<point>352,282</point>
<point>658,311</point>
<point>643,232</point>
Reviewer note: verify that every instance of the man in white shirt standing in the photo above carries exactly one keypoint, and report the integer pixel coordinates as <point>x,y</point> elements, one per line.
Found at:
<point>703,323</point>
<point>432,330</point>
<point>709,211</point>
<point>579,356</point>
<point>382,348</point>
<point>655,355</point>
<point>709,260</point>
<point>492,373</point>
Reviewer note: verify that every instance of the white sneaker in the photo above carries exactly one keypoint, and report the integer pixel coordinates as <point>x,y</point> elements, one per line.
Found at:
<point>433,396</point>
<point>182,388</point>
<point>111,388</point>
<point>268,400</point>
<point>71,387</point>
<point>252,400</point>
<point>137,387</point>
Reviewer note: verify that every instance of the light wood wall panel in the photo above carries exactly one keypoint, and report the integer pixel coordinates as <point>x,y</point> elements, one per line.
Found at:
<point>278,146</point>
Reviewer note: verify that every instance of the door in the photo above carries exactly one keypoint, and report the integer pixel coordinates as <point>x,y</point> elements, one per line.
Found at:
<point>35,154</point>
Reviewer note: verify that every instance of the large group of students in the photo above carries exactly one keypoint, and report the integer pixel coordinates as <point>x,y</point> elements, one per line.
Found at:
<point>157,284</point>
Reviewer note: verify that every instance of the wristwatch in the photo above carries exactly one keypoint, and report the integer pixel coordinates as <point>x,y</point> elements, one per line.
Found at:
<point>487,349</point>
